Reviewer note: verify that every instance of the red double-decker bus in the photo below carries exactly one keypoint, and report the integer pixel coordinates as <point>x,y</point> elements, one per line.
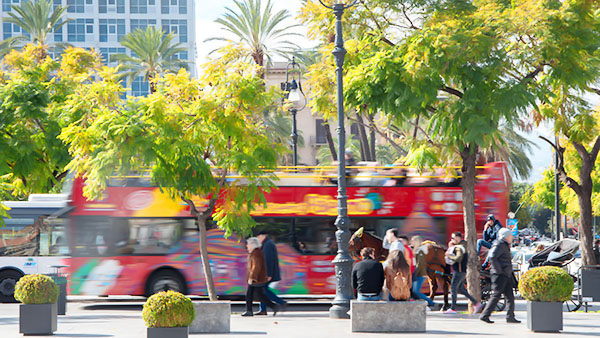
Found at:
<point>137,241</point>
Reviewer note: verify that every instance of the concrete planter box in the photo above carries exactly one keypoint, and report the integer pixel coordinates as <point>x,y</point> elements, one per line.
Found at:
<point>167,332</point>
<point>544,316</point>
<point>388,316</point>
<point>590,279</point>
<point>212,317</point>
<point>37,319</point>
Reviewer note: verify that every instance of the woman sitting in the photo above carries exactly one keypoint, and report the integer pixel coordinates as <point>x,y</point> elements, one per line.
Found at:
<point>397,276</point>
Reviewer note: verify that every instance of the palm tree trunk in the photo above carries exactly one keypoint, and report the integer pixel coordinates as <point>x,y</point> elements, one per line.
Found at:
<point>152,83</point>
<point>468,155</point>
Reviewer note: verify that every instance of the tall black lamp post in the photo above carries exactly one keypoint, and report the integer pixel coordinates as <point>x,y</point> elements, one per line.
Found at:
<point>297,98</point>
<point>343,260</point>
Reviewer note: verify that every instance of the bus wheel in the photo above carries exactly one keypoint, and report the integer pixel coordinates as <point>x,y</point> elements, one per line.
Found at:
<point>8,279</point>
<point>164,280</point>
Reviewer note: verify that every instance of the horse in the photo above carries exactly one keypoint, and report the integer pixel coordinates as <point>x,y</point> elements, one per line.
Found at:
<point>438,273</point>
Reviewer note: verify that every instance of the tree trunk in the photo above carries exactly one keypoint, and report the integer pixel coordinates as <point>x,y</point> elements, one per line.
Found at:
<point>468,155</point>
<point>585,212</point>
<point>364,141</point>
<point>372,137</point>
<point>210,284</point>
<point>330,141</point>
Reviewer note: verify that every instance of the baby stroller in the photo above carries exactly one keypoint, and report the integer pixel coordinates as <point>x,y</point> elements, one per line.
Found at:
<point>559,254</point>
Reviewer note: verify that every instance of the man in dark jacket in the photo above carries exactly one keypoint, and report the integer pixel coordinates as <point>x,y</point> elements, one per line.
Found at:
<point>367,276</point>
<point>273,274</point>
<point>502,277</point>
<point>597,250</point>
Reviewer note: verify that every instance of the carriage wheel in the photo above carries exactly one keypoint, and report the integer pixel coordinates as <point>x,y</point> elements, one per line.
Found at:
<point>573,304</point>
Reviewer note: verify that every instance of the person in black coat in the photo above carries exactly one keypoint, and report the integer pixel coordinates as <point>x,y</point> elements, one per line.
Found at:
<point>367,276</point>
<point>273,274</point>
<point>502,277</point>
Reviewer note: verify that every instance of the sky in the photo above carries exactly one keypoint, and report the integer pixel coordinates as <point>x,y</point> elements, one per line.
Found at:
<point>207,11</point>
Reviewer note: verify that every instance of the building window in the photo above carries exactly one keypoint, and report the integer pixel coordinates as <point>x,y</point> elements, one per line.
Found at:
<point>76,6</point>
<point>111,6</point>
<point>56,3</point>
<point>78,28</point>
<point>109,53</point>
<point>182,6</point>
<point>141,24</point>
<point>177,27</point>
<point>320,131</point>
<point>140,87</point>
<point>58,34</point>
<point>173,6</point>
<point>112,30</point>
<point>138,6</point>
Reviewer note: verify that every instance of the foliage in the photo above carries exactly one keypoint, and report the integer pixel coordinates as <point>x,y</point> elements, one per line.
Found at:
<point>33,88</point>
<point>261,32</point>
<point>168,309</point>
<point>36,289</point>
<point>278,130</point>
<point>154,54</point>
<point>523,214</point>
<point>546,284</point>
<point>37,18</point>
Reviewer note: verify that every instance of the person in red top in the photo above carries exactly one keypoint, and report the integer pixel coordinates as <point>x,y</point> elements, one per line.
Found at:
<point>410,257</point>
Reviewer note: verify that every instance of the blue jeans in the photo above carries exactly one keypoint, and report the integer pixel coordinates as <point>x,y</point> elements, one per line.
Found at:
<point>480,243</point>
<point>372,298</point>
<point>458,285</point>
<point>416,289</point>
<point>272,296</point>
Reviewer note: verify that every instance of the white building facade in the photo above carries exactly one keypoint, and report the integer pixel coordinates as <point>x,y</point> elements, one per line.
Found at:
<point>101,24</point>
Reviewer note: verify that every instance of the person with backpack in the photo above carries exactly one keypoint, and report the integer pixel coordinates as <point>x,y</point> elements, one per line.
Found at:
<point>457,255</point>
<point>367,276</point>
<point>420,273</point>
<point>398,278</point>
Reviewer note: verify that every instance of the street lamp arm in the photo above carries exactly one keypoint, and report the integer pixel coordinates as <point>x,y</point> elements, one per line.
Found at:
<point>345,6</point>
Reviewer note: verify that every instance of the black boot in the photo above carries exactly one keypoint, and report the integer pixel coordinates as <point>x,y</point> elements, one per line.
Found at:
<point>247,314</point>
<point>512,320</point>
<point>486,319</point>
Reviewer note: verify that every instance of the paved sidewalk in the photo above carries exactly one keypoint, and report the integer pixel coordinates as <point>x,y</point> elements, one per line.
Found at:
<point>84,320</point>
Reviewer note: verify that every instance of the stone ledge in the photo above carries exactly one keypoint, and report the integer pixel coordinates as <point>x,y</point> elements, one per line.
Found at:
<point>212,317</point>
<point>388,316</point>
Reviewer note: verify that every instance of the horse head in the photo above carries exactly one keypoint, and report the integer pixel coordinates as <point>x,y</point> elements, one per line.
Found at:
<point>356,243</point>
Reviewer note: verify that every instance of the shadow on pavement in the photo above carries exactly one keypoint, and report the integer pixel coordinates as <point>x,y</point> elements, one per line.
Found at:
<point>242,333</point>
<point>81,335</point>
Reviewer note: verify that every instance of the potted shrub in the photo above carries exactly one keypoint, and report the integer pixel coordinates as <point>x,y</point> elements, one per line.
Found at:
<point>38,311</point>
<point>545,288</point>
<point>168,314</point>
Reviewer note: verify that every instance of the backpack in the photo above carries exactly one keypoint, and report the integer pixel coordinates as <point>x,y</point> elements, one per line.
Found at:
<point>400,288</point>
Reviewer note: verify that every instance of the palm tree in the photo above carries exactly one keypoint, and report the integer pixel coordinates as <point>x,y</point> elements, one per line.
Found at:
<point>509,146</point>
<point>262,33</point>
<point>153,54</point>
<point>36,18</point>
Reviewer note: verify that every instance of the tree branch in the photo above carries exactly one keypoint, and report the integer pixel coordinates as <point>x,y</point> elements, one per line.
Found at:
<point>452,91</point>
<point>594,152</point>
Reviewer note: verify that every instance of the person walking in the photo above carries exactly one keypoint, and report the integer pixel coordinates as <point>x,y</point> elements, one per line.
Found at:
<point>391,240</point>
<point>269,249</point>
<point>398,278</point>
<point>256,275</point>
<point>367,276</point>
<point>458,256</point>
<point>502,277</point>
<point>597,251</point>
<point>420,270</point>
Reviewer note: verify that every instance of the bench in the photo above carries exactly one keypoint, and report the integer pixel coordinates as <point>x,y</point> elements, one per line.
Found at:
<point>388,316</point>
<point>212,317</point>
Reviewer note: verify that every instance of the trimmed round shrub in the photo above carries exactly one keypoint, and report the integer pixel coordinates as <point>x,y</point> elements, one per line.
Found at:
<point>36,289</point>
<point>546,284</point>
<point>168,309</point>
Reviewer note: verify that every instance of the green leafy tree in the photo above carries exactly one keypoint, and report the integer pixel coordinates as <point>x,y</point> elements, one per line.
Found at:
<point>38,19</point>
<point>457,69</point>
<point>261,31</point>
<point>154,54</point>
<point>33,89</point>
<point>191,133</point>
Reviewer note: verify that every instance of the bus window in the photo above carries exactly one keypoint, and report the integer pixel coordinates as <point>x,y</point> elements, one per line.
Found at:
<point>20,237</point>
<point>316,236</point>
<point>151,236</point>
<point>90,236</point>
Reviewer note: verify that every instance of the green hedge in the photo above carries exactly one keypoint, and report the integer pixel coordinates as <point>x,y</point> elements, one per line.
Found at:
<point>36,289</point>
<point>168,309</point>
<point>546,284</point>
